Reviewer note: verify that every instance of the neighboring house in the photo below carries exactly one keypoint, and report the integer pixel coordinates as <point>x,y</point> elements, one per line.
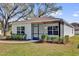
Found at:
<point>76,28</point>
<point>36,27</point>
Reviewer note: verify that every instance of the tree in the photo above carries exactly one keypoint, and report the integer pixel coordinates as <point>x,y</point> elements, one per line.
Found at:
<point>10,11</point>
<point>46,9</point>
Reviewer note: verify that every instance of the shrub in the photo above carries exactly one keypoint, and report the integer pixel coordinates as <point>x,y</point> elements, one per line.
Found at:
<point>8,37</point>
<point>18,36</point>
<point>61,39</point>
<point>52,39</point>
<point>46,37</point>
<point>55,38</point>
<point>49,40</point>
<point>42,36</point>
<point>78,46</point>
<point>13,36</point>
<point>66,38</point>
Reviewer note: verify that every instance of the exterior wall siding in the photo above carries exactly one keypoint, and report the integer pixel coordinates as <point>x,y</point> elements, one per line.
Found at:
<point>27,28</point>
<point>61,29</point>
<point>68,30</point>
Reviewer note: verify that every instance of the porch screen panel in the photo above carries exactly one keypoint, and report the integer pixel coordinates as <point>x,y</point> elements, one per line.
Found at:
<point>35,35</point>
<point>35,30</point>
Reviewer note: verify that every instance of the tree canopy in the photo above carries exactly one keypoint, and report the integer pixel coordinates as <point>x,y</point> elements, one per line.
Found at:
<point>46,9</point>
<point>16,11</point>
<point>10,12</point>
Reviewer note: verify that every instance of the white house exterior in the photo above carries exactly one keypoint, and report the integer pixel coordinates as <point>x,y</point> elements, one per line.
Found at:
<point>36,27</point>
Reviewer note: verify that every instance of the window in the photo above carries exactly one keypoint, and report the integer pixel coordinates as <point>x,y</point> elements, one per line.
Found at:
<point>53,30</point>
<point>21,30</point>
<point>50,30</point>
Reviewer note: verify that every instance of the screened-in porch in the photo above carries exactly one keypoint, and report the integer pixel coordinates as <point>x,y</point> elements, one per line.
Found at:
<point>49,29</point>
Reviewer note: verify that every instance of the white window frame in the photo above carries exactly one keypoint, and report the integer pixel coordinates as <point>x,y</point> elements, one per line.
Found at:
<point>20,29</point>
<point>53,30</point>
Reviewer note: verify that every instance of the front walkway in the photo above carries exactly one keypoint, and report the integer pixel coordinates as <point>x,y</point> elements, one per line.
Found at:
<point>2,40</point>
<point>13,41</point>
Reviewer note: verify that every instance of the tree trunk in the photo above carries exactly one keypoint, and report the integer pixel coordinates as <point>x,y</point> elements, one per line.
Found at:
<point>4,33</point>
<point>4,28</point>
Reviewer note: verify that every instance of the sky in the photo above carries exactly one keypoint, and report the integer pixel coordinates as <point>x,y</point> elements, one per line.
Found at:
<point>69,12</point>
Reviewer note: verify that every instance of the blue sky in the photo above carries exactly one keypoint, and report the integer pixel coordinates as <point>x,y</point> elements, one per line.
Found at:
<point>69,12</point>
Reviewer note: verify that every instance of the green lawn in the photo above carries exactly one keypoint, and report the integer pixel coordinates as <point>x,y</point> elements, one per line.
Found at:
<point>41,49</point>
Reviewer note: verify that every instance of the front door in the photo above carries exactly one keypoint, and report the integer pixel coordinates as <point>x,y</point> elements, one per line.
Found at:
<point>35,31</point>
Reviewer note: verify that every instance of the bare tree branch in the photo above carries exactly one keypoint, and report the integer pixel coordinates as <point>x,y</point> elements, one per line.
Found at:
<point>12,11</point>
<point>24,15</point>
<point>48,8</point>
<point>1,13</point>
<point>19,12</point>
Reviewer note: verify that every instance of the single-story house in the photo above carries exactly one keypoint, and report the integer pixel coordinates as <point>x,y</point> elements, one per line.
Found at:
<point>36,27</point>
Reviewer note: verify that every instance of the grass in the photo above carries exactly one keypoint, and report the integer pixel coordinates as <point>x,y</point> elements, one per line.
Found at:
<point>41,49</point>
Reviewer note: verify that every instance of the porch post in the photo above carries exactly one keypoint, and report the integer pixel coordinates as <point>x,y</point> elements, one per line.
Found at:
<point>59,29</point>
<point>38,30</point>
<point>32,31</point>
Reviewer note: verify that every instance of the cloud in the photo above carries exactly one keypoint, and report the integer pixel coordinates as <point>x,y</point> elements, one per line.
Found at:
<point>76,14</point>
<point>58,13</point>
<point>77,11</point>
